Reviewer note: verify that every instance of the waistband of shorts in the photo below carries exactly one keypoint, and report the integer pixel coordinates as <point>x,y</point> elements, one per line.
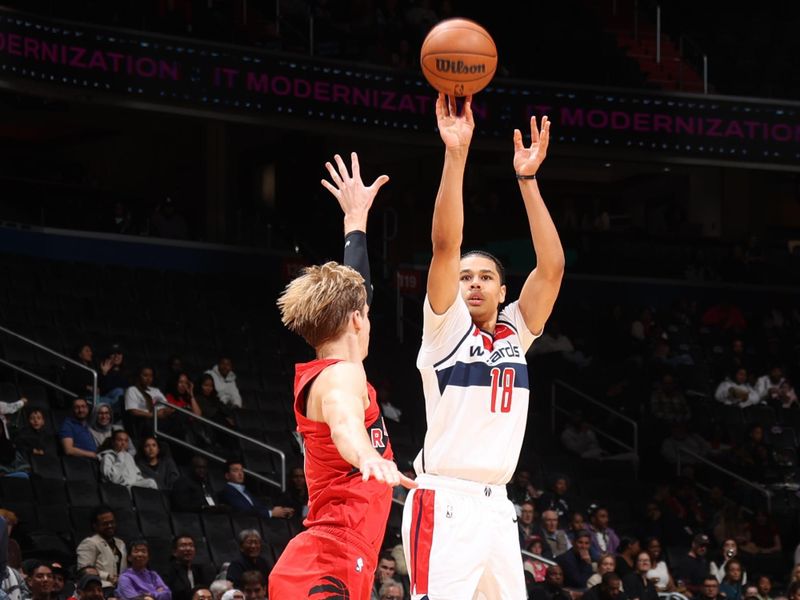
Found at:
<point>346,536</point>
<point>462,486</point>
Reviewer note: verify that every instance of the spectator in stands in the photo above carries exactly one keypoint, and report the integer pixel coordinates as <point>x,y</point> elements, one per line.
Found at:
<point>577,563</point>
<point>577,524</point>
<point>765,539</point>
<point>391,590</point>
<point>76,438</point>
<point>557,499</point>
<point>693,567</point>
<point>138,580</point>
<point>79,574</point>
<point>765,587</point>
<point>156,466</point>
<point>526,526</point>
<point>724,316</point>
<point>731,525</point>
<point>180,393</point>
<point>554,341</point>
<point>753,455</point>
<point>225,382</point>
<point>101,423</point>
<point>202,593</point>
<point>709,590</point>
<point>117,464</point>
<point>140,400</point>
<point>737,391</point>
<point>731,586</point>
<point>12,583</point>
<point>729,550</point>
<point>34,439</point>
<point>103,550</point>
<point>751,592</point>
<point>236,495</point>
<point>249,559</point>
<point>193,493</point>
<point>681,438</point>
<point>9,408</point>
<point>627,551</point>
<point>79,380</point>
<point>520,489</point>
<point>668,404</point>
<point>41,582</point>
<point>556,538</point>
<point>659,571</point>
<point>579,439</point>
<point>233,594</point>
<point>89,587</point>
<point>112,379</point>
<point>775,390</point>
<point>168,223</point>
<point>254,585</point>
<point>609,587</point>
<point>637,585</point>
<point>296,494</point>
<point>57,593</point>
<point>384,573</point>
<point>605,564</point>
<point>536,568</point>
<point>604,538</point>
<point>219,587</point>
<point>184,576</point>
<point>553,588</point>
<point>8,520</point>
<point>211,407</point>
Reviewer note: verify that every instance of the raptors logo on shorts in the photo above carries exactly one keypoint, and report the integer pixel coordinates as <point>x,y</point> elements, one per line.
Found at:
<point>329,588</point>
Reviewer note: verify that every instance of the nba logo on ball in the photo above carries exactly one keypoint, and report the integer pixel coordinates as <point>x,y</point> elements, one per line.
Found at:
<point>458,57</point>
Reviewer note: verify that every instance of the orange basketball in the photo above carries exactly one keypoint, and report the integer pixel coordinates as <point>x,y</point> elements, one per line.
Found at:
<point>458,57</point>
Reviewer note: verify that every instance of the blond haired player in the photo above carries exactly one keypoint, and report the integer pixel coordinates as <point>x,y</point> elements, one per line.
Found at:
<point>459,531</point>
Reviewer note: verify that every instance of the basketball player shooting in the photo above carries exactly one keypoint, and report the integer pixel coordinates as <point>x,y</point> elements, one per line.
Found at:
<point>475,380</point>
<point>348,458</point>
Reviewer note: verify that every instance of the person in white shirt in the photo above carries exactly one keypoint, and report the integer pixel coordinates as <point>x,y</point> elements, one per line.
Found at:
<point>117,464</point>
<point>225,382</point>
<point>736,391</point>
<point>9,408</point>
<point>774,388</point>
<point>140,401</point>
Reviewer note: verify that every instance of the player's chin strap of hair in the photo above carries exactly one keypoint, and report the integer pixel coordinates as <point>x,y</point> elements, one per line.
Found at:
<point>355,256</point>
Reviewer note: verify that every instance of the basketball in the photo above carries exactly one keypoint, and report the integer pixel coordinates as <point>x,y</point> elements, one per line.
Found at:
<point>458,57</point>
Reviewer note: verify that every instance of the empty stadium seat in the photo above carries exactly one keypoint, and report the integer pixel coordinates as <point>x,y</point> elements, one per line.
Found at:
<point>187,523</point>
<point>49,492</point>
<point>115,496</point>
<point>47,465</point>
<point>82,494</point>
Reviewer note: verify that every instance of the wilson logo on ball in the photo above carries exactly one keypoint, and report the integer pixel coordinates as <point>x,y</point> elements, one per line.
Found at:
<point>444,65</point>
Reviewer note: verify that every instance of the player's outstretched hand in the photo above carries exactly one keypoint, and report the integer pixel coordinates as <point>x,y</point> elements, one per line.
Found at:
<point>386,471</point>
<point>455,130</point>
<point>528,160</point>
<point>353,196</point>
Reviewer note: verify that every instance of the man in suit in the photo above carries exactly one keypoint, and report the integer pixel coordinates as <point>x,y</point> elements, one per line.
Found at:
<point>235,495</point>
<point>193,493</point>
<point>183,575</point>
<point>102,550</point>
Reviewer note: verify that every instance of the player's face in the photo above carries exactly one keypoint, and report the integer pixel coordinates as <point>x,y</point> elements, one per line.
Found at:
<point>481,287</point>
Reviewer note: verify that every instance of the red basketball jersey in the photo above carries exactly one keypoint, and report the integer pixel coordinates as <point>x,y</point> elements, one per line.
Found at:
<point>337,497</point>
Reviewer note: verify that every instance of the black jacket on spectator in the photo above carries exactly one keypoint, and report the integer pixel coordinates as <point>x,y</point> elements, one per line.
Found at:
<point>576,570</point>
<point>546,592</point>
<point>29,439</point>
<point>638,589</point>
<point>189,495</point>
<point>177,579</point>
<point>623,568</point>
<point>242,564</point>
<point>595,593</point>
<point>692,569</point>
<point>165,472</point>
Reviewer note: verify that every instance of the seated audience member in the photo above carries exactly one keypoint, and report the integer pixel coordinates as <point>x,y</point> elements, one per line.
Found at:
<point>557,499</point>
<point>40,582</point>
<point>731,586</point>
<point>8,520</point>
<point>117,464</point>
<point>577,524</point>
<point>579,439</point>
<point>391,590</point>
<point>57,593</point>
<point>750,592</point>
<point>385,573</point>
<point>211,407</point>
<point>10,408</point>
<point>667,402</point>
<point>249,559</point>
<point>553,588</point>
<point>153,465</point>
<point>736,391</point>
<point>681,438</point>
<point>219,587</point>
<point>693,568</point>
<point>609,588</point>
<point>180,393</point>
<point>140,400</point>
<point>662,525</point>
<point>103,550</point>
<point>34,439</point>
<point>138,580</point>
<point>520,489</point>
<point>76,438</point>
<point>236,495</point>
<point>605,564</point>
<point>729,550</point>
<point>254,586</point>
<point>296,494</point>
<point>554,537</point>
<point>233,594</point>
<point>225,382</point>
<point>709,589</point>
<point>536,568</point>
<point>193,493</point>
<point>659,571</point>
<point>101,423</point>
<point>775,390</point>
<point>604,538</point>
<point>78,380</point>
<point>184,576</point>
<point>202,593</point>
<point>112,380</point>
<point>89,587</point>
<point>526,526</point>
<point>765,588</point>
<point>577,562</point>
<point>754,456</point>
<point>765,538</point>
<point>637,585</point>
<point>627,551</point>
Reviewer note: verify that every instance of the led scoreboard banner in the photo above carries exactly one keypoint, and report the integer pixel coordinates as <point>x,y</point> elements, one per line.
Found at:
<point>107,65</point>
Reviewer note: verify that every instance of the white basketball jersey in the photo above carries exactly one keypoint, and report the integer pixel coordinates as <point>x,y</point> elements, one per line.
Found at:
<point>476,394</point>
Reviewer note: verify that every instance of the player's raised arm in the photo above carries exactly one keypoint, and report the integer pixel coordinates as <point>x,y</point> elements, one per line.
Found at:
<point>541,288</point>
<point>338,398</point>
<point>355,199</point>
<point>448,212</point>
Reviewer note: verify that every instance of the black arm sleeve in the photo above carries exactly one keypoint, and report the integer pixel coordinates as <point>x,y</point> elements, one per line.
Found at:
<point>355,256</point>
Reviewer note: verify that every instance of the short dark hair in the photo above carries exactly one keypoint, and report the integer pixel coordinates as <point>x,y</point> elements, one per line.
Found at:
<point>232,461</point>
<point>253,577</point>
<point>179,537</point>
<point>100,510</point>
<point>501,271</point>
<point>387,556</point>
<point>710,578</point>
<point>138,542</point>
<point>116,432</point>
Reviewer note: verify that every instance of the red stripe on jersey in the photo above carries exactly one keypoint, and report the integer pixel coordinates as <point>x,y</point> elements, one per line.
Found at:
<point>422,539</point>
<point>502,331</point>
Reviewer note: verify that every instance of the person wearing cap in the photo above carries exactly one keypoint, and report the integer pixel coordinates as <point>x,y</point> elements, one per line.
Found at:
<point>89,587</point>
<point>693,568</point>
<point>577,563</point>
<point>57,593</point>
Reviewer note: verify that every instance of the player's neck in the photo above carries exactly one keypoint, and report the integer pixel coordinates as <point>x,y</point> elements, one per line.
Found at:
<point>342,348</point>
<point>484,324</point>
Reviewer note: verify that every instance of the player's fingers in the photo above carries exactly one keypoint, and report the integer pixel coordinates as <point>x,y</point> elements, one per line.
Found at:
<point>451,106</point>
<point>354,166</point>
<point>342,167</point>
<point>518,145</point>
<point>440,108</point>
<point>468,110</point>
<point>391,474</point>
<point>534,131</point>
<point>334,175</point>
<point>328,186</point>
<point>378,183</point>
<point>407,482</point>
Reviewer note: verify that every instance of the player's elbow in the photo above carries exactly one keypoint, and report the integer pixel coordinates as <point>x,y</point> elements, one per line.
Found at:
<point>552,269</point>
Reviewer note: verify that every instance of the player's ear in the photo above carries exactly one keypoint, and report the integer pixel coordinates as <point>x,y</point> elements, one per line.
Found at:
<point>357,320</point>
<point>502,293</point>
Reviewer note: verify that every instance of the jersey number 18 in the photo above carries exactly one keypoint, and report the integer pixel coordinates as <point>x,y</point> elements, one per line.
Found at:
<point>504,382</point>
